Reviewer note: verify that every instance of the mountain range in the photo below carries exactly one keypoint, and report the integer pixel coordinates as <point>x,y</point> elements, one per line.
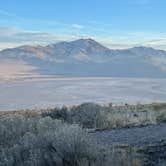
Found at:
<point>84,57</point>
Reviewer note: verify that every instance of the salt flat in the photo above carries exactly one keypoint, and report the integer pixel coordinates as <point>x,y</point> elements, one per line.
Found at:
<point>42,93</point>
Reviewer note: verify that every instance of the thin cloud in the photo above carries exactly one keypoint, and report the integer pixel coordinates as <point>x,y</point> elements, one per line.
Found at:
<point>77,26</point>
<point>11,37</point>
<point>8,31</point>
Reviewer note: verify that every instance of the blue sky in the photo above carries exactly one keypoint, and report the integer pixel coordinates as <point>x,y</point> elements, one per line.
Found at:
<point>115,23</point>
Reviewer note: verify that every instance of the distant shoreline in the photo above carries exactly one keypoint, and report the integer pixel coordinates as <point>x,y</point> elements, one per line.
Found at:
<point>68,78</point>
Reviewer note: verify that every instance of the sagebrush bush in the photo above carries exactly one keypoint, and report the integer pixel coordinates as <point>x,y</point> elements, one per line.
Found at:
<point>90,115</point>
<point>38,141</point>
<point>43,141</point>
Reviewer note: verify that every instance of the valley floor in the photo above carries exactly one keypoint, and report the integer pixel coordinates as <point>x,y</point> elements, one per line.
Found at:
<point>58,91</point>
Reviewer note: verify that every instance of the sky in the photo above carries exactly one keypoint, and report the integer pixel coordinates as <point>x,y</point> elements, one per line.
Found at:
<point>114,23</point>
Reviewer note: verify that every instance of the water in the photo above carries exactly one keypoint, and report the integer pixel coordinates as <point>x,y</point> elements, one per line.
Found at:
<point>57,92</point>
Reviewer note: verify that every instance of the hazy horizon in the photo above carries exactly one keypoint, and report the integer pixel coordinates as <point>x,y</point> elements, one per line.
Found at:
<point>115,24</point>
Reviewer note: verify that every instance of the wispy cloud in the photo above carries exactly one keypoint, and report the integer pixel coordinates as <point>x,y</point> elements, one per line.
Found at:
<point>7,32</point>
<point>12,37</point>
<point>77,26</point>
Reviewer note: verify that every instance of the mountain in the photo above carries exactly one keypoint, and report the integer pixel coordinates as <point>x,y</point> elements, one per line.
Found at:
<point>83,49</point>
<point>86,57</point>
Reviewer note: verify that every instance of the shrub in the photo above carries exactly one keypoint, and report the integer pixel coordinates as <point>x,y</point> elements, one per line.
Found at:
<point>44,141</point>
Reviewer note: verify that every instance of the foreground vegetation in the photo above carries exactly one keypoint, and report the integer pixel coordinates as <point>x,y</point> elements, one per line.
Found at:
<point>90,115</point>
<point>60,136</point>
<point>37,141</point>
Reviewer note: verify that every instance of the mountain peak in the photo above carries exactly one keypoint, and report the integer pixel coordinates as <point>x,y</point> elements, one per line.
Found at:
<point>85,40</point>
<point>79,44</point>
<point>88,41</point>
<point>78,41</point>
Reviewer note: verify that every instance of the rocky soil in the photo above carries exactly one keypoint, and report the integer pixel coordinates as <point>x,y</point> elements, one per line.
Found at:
<point>149,142</point>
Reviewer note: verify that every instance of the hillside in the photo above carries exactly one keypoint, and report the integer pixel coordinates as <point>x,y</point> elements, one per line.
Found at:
<point>86,57</point>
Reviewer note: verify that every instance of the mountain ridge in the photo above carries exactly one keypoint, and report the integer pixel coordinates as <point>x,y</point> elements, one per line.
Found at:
<point>87,57</point>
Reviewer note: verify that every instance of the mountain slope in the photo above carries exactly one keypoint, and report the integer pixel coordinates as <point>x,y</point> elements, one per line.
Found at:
<point>86,57</point>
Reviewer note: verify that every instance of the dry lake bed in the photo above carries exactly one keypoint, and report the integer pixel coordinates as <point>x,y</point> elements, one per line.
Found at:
<point>43,93</point>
